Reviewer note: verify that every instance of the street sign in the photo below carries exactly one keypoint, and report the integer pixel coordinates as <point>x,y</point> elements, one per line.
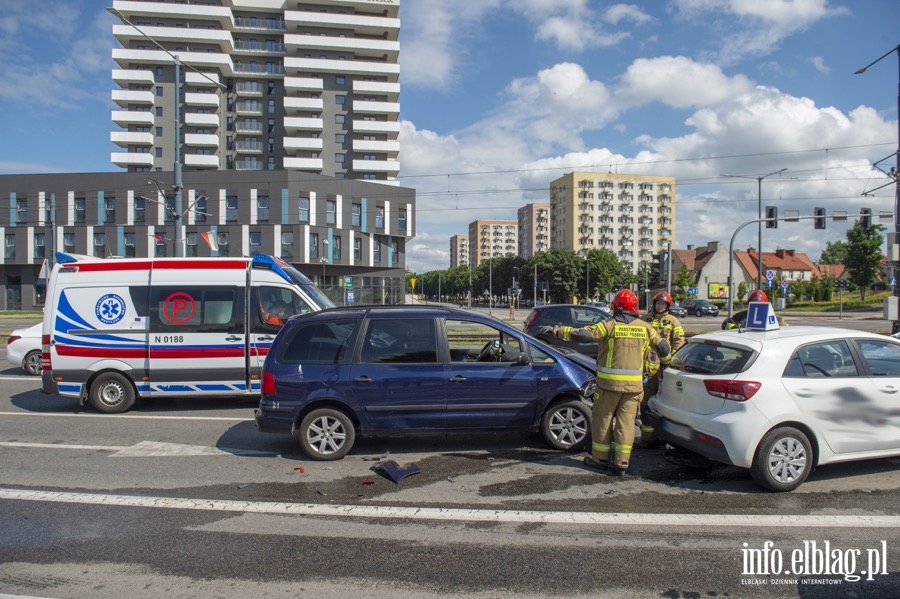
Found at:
<point>770,274</point>
<point>348,282</point>
<point>693,290</point>
<point>784,284</point>
<point>893,281</point>
<point>350,296</point>
<point>769,283</point>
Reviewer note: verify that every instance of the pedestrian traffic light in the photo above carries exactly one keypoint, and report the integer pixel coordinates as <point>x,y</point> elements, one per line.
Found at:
<point>771,217</point>
<point>865,217</point>
<point>820,218</point>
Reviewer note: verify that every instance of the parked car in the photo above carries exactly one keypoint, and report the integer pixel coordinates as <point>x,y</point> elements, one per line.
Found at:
<point>782,402</point>
<point>23,348</point>
<point>572,315</point>
<point>700,307</point>
<point>335,374</point>
<point>602,305</point>
<point>678,311</point>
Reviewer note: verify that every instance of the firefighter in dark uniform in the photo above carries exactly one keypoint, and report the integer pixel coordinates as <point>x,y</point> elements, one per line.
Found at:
<point>670,329</point>
<point>625,343</point>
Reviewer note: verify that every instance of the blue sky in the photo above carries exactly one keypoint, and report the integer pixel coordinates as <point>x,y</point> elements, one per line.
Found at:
<point>500,97</point>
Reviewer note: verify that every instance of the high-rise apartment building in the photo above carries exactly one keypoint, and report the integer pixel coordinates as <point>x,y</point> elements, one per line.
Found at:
<point>534,229</point>
<point>459,250</point>
<point>492,239</point>
<point>260,85</point>
<point>631,215</point>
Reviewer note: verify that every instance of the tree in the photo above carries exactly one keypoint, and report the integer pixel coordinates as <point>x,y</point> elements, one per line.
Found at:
<point>683,280</point>
<point>741,291</point>
<point>863,259</point>
<point>834,253</point>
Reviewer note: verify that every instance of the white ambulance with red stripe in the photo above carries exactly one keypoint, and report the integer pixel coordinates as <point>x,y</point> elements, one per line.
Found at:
<point>119,329</point>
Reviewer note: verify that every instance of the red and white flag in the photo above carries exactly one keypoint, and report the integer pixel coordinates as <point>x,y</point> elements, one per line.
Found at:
<point>210,238</point>
<point>160,240</point>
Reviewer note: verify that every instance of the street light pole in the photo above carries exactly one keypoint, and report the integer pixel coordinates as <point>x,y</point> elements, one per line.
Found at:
<point>324,261</point>
<point>759,180</point>
<point>515,285</point>
<point>895,327</point>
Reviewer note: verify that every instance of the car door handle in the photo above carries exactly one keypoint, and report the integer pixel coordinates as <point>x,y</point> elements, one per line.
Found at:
<point>362,379</point>
<point>233,338</point>
<point>458,379</point>
<point>265,338</point>
<point>889,389</point>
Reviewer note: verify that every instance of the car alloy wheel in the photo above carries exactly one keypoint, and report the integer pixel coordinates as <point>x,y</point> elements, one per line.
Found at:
<point>326,434</point>
<point>32,363</point>
<point>783,459</point>
<point>567,425</point>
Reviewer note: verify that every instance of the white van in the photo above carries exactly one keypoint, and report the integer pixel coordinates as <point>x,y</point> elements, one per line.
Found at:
<point>118,329</point>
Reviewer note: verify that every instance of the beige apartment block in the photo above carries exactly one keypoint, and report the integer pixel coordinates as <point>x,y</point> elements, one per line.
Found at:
<point>534,229</point>
<point>630,215</point>
<point>459,250</point>
<point>492,239</point>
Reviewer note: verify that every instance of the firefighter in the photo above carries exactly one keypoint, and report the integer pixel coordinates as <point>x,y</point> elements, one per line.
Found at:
<point>271,309</point>
<point>738,320</point>
<point>625,343</point>
<point>670,329</point>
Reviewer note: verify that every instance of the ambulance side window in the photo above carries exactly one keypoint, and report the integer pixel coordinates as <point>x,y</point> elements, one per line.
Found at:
<point>274,306</point>
<point>209,309</point>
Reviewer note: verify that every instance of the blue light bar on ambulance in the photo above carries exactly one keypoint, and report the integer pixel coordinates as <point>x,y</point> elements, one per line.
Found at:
<point>272,263</point>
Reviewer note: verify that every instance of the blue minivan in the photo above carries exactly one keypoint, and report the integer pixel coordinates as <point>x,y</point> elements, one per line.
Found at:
<point>332,375</point>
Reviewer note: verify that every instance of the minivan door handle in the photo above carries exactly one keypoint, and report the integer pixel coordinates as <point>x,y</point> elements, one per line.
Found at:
<point>458,379</point>
<point>362,379</point>
<point>233,338</point>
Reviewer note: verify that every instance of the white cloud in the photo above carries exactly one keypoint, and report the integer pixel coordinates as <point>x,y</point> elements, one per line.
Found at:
<point>679,82</point>
<point>625,12</point>
<point>818,63</point>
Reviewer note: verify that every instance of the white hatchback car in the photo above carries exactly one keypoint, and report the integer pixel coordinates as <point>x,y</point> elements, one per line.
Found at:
<point>24,349</point>
<point>782,402</point>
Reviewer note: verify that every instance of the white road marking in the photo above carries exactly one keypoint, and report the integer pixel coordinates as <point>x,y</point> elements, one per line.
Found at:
<point>461,515</point>
<point>145,449</point>
<point>129,416</point>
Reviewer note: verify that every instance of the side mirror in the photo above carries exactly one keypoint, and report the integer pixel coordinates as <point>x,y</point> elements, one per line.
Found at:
<point>522,359</point>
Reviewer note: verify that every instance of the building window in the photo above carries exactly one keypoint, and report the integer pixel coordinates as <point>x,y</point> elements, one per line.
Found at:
<point>68,242</point>
<point>231,208</point>
<point>330,208</point>
<point>158,152</point>
<point>287,244</point>
<point>222,240</point>
<point>339,119</point>
<point>313,246</point>
<point>270,163</point>
<point>262,208</point>
<point>139,207</point>
<point>376,249</point>
<point>395,251</point>
<point>271,145</point>
<point>10,246</point>
<point>170,209</point>
<point>109,210</point>
<point>340,99</point>
<point>271,106</point>
<point>159,90</point>
<point>356,215</point>
<point>271,126</point>
<point>159,132</point>
<point>129,245</point>
<point>357,249</point>
<point>21,211</point>
<point>401,219</point>
<point>304,210</point>
<point>200,212</point>
<point>339,158</point>
<point>79,210</point>
<point>255,242</point>
<point>39,251</point>
<point>159,111</point>
<point>339,138</point>
<point>379,217</point>
<point>100,245</point>
<point>340,80</point>
<point>159,246</point>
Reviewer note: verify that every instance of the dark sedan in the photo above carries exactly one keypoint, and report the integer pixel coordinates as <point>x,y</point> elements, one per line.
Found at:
<point>572,315</point>
<point>677,311</point>
<point>700,307</point>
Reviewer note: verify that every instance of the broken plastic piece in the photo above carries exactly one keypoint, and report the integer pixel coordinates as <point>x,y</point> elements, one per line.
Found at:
<point>300,468</point>
<point>395,472</point>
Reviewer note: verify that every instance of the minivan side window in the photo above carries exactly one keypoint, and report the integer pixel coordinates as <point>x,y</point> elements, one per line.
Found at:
<point>208,309</point>
<point>396,340</point>
<point>318,343</point>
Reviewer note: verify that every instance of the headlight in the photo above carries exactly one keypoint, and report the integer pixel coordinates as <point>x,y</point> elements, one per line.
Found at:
<point>588,389</point>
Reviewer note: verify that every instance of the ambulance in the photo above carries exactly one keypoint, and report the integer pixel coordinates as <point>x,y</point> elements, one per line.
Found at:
<point>115,330</point>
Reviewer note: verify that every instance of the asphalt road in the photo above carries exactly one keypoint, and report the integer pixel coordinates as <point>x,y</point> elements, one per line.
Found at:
<point>187,499</point>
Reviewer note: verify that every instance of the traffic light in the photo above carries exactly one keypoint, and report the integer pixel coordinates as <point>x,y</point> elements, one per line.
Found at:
<point>865,217</point>
<point>771,217</point>
<point>841,284</point>
<point>820,219</point>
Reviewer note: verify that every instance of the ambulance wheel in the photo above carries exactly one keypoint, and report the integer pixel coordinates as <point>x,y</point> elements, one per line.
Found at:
<point>112,393</point>
<point>326,434</point>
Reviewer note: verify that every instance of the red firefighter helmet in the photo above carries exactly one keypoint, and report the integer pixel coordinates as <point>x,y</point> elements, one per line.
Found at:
<point>662,296</point>
<point>625,300</point>
<point>758,296</point>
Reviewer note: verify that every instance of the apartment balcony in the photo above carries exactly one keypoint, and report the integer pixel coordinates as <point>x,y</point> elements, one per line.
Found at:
<point>249,108</point>
<point>199,60</point>
<point>249,127</point>
<point>203,140</point>
<point>201,160</point>
<point>123,118</point>
<point>386,147</point>
<point>202,100</point>
<point>383,88</point>
<point>126,97</point>
<point>249,89</point>
<point>264,47</point>
<point>302,164</point>
<point>376,127</point>
<point>359,46</point>
<point>310,144</point>
<point>196,119</point>
<point>292,104</point>
<point>390,167</point>
<point>360,24</point>
<point>258,24</point>
<point>250,69</point>
<point>179,11</point>
<point>249,164</point>
<point>124,77</point>
<point>303,84</point>
<point>248,146</point>
<point>202,79</point>
<point>131,138</point>
<point>292,124</point>
<point>126,159</point>
<point>353,68</point>
<point>126,35</point>
<point>370,107</point>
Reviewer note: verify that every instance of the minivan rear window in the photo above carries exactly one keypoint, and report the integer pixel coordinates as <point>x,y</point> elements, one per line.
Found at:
<point>710,358</point>
<point>318,343</point>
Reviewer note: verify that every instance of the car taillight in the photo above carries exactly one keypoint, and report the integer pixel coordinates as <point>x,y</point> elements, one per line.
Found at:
<point>268,383</point>
<point>531,318</point>
<point>733,390</point>
<point>13,338</point>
